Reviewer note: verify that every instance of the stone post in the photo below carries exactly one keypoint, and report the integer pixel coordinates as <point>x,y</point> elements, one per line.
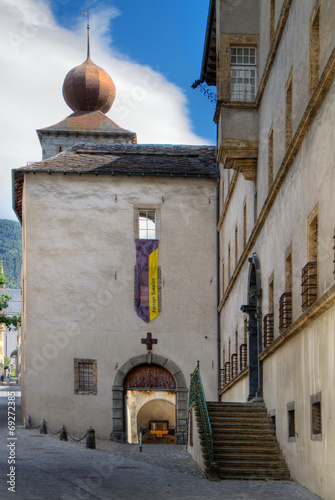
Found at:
<point>43,428</point>
<point>90,439</point>
<point>63,434</point>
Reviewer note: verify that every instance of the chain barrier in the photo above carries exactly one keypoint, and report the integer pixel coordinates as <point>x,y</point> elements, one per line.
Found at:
<point>74,439</point>
<point>51,432</point>
<point>55,433</point>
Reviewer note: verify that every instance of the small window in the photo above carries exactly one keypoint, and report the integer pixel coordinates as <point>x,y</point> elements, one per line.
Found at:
<point>291,422</point>
<point>316,426</point>
<point>147,224</point>
<point>85,376</point>
<point>273,419</point>
<point>243,73</point>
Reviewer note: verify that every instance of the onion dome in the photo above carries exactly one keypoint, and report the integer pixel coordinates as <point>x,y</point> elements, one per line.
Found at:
<point>88,87</point>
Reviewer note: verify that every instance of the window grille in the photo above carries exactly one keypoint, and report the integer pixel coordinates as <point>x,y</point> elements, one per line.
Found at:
<point>147,224</point>
<point>234,365</point>
<point>316,418</point>
<point>285,311</point>
<point>309,285</point>
<point>243,356</point>
<point>291,423</point>
<point>85,376</point>
<point>268,327</point>
<point>243,73</point>
<point>227,372</point>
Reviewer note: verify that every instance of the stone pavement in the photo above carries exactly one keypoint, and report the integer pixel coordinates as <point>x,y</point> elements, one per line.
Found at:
<point>49,469</point>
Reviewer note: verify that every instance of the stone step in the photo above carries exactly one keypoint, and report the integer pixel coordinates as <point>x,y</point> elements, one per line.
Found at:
<point>254,473</point>
<point>238,424</point>
<point>246,450</point>
<point>250,462</point>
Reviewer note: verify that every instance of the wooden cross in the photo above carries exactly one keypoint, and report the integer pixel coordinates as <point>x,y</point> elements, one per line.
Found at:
<point>149,341</point>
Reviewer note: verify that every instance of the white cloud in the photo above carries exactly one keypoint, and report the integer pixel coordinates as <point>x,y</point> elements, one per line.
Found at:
<point>35,57</point>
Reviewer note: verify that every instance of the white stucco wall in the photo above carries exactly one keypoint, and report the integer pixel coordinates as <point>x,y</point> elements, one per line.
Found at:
<point>79,287</point>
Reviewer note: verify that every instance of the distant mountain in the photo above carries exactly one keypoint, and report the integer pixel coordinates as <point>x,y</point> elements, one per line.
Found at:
<point>11,251</point>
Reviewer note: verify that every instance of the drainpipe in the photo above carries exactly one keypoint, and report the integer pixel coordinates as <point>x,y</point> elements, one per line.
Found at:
<point>218,284</point>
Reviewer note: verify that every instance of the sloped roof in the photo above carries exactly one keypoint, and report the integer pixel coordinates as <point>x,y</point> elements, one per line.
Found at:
<point>123,159</point>
<point>84,122</point>
<point>14,304</point>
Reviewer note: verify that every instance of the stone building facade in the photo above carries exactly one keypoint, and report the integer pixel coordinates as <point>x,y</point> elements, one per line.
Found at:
<point>273,64</point>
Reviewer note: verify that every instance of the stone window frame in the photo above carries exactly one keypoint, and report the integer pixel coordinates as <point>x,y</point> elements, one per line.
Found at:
<point>289,111</point>
<point>291,436</point>
<point>315,399</point>
<point>147,206</point>
<point>270,156</point>
<point>226,42</point>
<point>77,362</point>
<point>247,68</point>
<point>314,47</point>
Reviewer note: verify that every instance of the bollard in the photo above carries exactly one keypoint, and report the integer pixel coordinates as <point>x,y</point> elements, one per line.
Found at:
<point>63,434</point>
<point>90,439</point>
<point>43,428</point>
<point>29,424</point>
<point>140,438</point>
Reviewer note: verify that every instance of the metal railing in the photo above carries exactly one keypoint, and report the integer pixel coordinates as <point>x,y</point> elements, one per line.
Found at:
<point>309,278</point>
<point>234,365</point>
<point>285,311</point>
<point>243,356</point>
<point>197,395</point>
<point>268,328</point>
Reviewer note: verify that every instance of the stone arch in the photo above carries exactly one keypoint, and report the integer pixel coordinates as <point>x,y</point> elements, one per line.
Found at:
<point>118,420</point>
<point>254,310</point>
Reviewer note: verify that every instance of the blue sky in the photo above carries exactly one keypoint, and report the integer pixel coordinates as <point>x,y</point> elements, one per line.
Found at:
<point>167,35</point>
<point>152,50</point>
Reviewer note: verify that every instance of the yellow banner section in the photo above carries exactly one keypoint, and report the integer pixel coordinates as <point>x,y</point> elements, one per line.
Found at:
<point>153,286</point>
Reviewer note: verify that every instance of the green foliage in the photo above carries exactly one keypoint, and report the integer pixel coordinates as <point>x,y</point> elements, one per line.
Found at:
<point>4,298</point>
<point>3,279</point>
<point>6,360</point>
<point>13,320</point>
<point>11,251</point>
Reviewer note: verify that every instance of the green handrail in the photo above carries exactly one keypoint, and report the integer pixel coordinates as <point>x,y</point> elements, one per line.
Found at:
<point>197,394</point>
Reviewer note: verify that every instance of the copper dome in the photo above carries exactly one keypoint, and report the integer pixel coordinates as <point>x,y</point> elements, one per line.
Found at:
<point>89,88</point>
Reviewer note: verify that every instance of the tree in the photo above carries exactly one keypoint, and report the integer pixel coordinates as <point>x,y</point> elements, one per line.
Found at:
<point>14,320</point>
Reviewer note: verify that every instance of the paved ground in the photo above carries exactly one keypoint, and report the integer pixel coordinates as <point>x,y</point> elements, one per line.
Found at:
<point>49,469</point>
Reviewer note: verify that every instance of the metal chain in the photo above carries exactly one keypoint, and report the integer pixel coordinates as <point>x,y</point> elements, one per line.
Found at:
<point>74,439</point>
<point>53,433</point>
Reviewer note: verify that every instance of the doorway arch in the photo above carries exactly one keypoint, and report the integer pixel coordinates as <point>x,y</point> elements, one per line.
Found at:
<point>118,398</point>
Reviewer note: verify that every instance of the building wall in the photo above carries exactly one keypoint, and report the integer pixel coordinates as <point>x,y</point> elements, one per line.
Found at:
<point>78,277</point>
<point>54,143</point>
<point>277,220</point>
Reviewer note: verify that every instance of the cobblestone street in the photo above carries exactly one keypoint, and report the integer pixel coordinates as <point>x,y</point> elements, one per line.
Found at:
<point>47,468</point>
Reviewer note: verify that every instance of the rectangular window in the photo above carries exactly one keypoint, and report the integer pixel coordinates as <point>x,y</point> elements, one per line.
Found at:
<point>236,244</point>
<point>85,376</point>
<point>291,422</point>
<point>272,18</point>
<point>245,223</point>
<point>314,50</point>
<point>270,158</point>
<point>288,116</point>
<point>243,73</point>
<point>223,280</point>
<point>316,426</point>
<point>146,224</point>
<point>228,262</point>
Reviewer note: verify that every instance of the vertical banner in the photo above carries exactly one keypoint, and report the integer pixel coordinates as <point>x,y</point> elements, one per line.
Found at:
<point>147,279</point>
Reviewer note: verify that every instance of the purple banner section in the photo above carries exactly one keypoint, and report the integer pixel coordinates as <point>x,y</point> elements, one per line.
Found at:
<point>143,249</point>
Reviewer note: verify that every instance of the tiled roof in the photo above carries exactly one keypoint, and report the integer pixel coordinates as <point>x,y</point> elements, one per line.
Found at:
<point>14,304</point>
<point>93,122</point>
<point>124,159</point>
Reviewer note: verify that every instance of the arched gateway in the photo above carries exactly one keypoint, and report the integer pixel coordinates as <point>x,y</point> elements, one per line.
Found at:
<point>171,373</point>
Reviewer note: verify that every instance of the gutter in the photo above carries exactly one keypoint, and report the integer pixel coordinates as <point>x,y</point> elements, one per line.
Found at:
<point>218,286</point>
<point>211,11</point>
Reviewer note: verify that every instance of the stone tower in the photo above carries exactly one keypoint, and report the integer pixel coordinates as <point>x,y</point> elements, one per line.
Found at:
<point>90,92</point>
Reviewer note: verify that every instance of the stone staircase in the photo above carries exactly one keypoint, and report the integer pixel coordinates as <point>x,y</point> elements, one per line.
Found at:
<point>245,444</point>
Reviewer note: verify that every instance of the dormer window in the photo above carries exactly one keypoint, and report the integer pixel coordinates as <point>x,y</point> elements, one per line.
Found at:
<point>243,73</point>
